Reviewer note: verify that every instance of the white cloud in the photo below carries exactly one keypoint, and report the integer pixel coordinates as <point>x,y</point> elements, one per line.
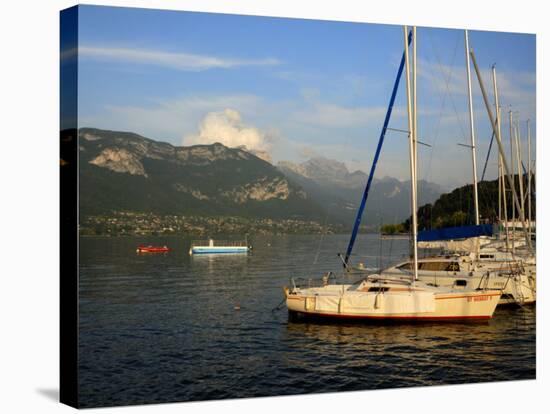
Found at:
<point>173,60</point>
<point>168,119</point>
<point>228,128</point>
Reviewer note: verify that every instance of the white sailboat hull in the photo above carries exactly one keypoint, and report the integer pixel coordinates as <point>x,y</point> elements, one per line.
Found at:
<point>519,288</point>
<point>399,303</point>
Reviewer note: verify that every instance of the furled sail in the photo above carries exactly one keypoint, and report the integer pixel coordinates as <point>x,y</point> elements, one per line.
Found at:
<point>453,233</point>
<point>361,208</point>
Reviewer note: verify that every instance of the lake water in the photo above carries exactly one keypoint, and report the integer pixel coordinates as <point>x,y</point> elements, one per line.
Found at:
<point>162,328</point>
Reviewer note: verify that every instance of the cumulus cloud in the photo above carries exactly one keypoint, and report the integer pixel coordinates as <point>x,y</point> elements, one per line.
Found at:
<point>170,119</point>
<point>228,128</point>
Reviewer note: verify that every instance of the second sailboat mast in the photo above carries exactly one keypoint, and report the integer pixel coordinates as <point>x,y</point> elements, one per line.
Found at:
<point>412,143</point>
<point>472,132</point>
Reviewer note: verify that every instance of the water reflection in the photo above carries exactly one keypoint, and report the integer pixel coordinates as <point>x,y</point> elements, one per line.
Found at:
<point>477,351</point>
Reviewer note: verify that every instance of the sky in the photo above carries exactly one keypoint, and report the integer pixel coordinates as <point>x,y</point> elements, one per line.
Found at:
<point>297,88</point>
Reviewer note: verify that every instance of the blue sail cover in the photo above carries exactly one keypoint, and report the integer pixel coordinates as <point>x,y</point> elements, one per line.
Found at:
<point>359,215</point>
<point>452,233</point>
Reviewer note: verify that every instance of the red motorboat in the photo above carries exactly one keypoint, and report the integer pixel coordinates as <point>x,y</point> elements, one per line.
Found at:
<point>152,249</point>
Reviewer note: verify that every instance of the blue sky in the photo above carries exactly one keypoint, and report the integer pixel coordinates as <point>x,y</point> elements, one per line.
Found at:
<point>295,88</point>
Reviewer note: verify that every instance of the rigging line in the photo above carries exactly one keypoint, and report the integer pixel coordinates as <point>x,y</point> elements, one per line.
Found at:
<point>447,84</point>
<point>484,190</point>
<point>390,252</point>
<point>442,105</point>
<point>443,98</point>
<point>451,68</point>
<point>488,155</point>
<point>380,250</point>
<point>484,194</point>
<point>391,246</point>
<point>524,170</point>
<point>320,242</point>
<point>486,200</point>
<point>376,155</point>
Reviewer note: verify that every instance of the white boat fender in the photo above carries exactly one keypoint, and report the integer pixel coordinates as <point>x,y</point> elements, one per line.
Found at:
<point>378,300</point>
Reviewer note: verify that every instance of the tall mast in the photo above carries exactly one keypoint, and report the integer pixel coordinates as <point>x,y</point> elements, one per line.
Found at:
<point>518,158</point>
<point>504,198</point>
<point>529,172</point>
<point>411,154</point>
<point>499,173</point>
<point>501,182</point>
<point>513,179</point>
<point>497,111</point>
<point>415,118</point>
<point>472,132</point>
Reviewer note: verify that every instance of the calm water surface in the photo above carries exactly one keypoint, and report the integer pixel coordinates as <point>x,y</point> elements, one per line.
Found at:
<point>161,328</point>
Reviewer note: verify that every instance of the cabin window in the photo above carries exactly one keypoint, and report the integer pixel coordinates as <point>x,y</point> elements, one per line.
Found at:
<point>453,267</point>
<point>486,256</point>
<point>378,289</point>
<point>433,266</point>
<point>461,283</point>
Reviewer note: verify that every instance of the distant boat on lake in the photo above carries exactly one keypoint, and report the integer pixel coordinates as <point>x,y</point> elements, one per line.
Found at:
<point>212,246</point>
<point>152,249</point>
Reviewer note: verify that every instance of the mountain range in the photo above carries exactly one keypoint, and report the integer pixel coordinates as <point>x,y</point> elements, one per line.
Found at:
<point>123,171</point>
<point>330,184</point>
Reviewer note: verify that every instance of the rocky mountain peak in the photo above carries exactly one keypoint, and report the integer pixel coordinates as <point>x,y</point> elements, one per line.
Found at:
<point>293,167</point>
<point>327,167</point>
<point>119,160</point>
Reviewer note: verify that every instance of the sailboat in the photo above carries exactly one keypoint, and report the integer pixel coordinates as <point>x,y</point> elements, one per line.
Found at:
<point>471,256</point>
<point>382,297</point>
<point>515,278</point>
